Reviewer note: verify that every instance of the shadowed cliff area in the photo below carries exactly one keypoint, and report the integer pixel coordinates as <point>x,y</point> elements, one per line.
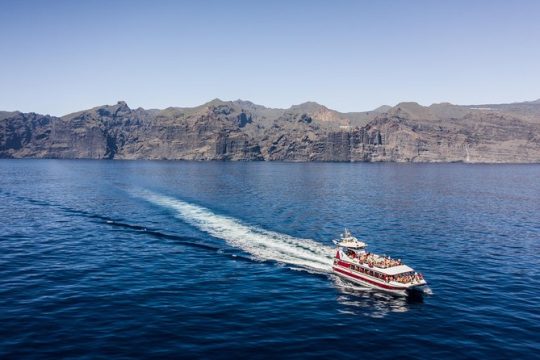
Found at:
<point>241,130</point>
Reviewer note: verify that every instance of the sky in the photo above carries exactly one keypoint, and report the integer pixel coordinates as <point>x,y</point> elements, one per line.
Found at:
<point>58,57</point>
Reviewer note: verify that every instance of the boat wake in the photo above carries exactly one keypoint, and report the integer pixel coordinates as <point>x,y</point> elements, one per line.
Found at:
<point>262,244</point>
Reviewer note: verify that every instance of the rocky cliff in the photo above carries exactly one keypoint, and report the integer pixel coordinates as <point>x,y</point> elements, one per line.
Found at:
<point>241,130</point>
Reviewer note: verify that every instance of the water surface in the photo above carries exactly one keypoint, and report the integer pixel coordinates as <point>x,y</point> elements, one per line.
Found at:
<point>185,259</point>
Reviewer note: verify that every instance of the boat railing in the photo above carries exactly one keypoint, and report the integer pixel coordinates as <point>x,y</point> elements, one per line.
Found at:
<point>411,277</point>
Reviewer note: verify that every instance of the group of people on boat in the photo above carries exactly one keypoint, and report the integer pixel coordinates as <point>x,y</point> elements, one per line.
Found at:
<point>405,278</point>
<point>381,262</point>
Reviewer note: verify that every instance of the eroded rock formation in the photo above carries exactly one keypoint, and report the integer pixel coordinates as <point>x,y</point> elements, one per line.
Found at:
<point>241,130</point>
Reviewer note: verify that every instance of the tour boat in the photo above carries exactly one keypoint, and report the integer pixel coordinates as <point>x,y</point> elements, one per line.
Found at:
<point>353,263</point>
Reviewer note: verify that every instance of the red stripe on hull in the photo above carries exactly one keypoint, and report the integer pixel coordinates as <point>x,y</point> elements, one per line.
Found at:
<point>344,264</point>
<point>384,286</point>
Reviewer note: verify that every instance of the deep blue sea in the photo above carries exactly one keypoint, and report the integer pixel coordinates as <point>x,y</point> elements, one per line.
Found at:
<point>137,259</point>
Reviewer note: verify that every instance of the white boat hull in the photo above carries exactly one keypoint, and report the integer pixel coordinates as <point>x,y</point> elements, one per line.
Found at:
<point>362,279</point>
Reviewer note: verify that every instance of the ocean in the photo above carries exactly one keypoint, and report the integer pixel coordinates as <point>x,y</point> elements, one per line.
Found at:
<point>161,259</point>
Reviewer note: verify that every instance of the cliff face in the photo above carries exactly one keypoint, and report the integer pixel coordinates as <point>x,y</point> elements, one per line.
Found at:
<point>241,130</point>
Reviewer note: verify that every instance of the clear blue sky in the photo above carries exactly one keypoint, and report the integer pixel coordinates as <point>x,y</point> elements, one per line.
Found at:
<point>60,56</point>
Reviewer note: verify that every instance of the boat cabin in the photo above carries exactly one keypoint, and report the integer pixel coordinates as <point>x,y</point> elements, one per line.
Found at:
<point>350,242</point>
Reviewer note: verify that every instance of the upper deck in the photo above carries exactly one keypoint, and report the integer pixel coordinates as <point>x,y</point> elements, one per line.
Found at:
<point>382,264</point>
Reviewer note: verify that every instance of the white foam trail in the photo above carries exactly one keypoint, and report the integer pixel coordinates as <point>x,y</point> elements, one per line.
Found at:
<point>262,244</point>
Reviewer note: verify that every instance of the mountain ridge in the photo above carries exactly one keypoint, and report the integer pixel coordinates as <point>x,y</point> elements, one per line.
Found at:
<point>242,130</point>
